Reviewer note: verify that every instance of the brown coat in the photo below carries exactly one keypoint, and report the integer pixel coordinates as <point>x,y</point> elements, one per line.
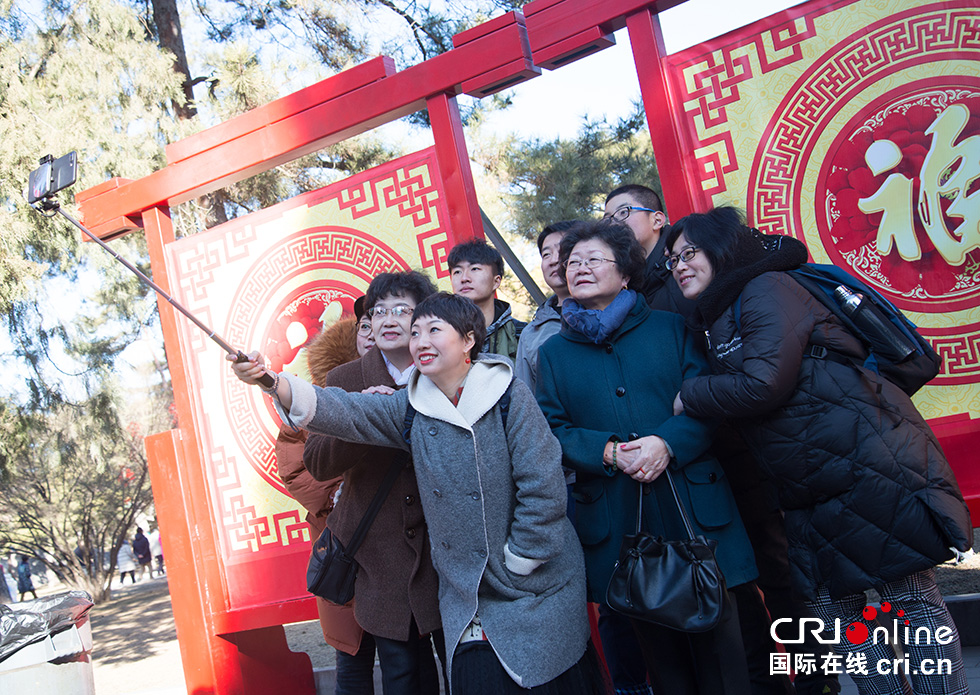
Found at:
<point>330,348</point>
<point>396,581</point>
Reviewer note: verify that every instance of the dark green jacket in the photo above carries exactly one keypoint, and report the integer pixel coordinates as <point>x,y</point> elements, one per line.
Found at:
<point>624,389</point>
<point>504,333</point>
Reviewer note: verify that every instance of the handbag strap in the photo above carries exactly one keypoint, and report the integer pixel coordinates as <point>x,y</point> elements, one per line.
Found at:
<point>379,497</point>
<point>401,458</point>
<point>677,500</point>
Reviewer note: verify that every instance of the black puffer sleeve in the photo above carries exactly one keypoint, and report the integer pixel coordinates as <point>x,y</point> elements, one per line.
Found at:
<point>775,326</point>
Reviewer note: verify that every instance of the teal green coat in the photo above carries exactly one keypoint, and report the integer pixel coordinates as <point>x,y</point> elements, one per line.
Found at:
<point>624,389</point>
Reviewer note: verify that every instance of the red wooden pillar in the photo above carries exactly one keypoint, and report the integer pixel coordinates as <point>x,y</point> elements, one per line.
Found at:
<point>647,42</point>
<point>249,661</point>
<point>181,499</point>
<point>454,164</point>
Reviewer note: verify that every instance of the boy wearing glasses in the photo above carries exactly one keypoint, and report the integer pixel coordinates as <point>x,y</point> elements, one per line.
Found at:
<point>475,270</point>
<point>396,599</point>
<point>641,209</point>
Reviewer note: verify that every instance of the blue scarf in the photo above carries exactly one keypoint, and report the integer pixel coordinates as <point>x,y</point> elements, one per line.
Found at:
<point>598,324</point>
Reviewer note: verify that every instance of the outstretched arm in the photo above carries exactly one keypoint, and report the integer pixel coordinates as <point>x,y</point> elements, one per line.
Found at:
<point>361,418</point>
<point>250,372</point>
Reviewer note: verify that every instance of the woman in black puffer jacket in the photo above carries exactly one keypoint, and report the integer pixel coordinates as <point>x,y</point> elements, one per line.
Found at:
<point>868,497</point>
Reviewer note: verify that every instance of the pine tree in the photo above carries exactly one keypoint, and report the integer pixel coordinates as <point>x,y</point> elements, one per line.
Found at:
<point>72,481</point>
<point>568,179</point>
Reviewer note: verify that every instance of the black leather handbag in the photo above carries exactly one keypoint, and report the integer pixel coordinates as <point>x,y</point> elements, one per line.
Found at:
<point>333,569</point>
<point>677,584</point>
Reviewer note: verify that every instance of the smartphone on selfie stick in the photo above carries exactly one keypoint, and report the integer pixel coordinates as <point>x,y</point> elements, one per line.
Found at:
<point>53,175</point>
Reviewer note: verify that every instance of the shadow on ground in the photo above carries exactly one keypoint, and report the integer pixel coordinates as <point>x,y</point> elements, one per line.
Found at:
<point>134,624</point>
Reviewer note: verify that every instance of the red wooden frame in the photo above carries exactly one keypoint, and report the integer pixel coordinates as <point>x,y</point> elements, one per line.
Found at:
<point>241,648</point>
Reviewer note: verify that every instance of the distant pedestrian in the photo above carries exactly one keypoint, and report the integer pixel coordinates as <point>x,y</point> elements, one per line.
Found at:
<point>127,563</point>
<point>5,595</point>
<point>156,550</point>
<point>24,583</point>
<point>9,578</point>
<point>141,547</point>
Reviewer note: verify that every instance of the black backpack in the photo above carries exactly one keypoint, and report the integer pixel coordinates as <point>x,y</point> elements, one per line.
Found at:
<point>912,372</point>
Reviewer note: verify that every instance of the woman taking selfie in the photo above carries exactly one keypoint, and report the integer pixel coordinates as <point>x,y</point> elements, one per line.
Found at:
<point>606,384</point>
<point>511,576</point>
<point>868,497</point>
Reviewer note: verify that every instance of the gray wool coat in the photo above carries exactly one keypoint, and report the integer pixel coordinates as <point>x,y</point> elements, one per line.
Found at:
<point>494,502</point>
<point>546,323</point>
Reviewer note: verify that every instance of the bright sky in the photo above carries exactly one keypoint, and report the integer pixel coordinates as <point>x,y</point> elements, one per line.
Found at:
<point>604,84</point>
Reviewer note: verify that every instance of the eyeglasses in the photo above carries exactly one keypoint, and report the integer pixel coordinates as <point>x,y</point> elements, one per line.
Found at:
<point>686,255</point>
<point>396,311</point>
<point>590,263</point>
<point>623,213</point>
<point>364,328</point>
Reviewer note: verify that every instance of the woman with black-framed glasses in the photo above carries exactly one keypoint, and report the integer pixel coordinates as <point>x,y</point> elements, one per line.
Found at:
<point>686,255</point>
<point>868,498</point>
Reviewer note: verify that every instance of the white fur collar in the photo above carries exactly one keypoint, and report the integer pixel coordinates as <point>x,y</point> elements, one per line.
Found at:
<point>486,382</point>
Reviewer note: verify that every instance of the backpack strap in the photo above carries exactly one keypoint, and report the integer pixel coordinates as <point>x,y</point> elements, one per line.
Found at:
<point>407,424</point>
<point>504,404</point>
<point>401,458</point>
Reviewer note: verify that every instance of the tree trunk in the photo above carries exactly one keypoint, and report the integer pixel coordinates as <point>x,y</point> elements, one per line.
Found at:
<point>167,20</point>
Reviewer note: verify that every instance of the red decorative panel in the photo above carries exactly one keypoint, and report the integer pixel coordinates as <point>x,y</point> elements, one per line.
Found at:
<point>270,281</point>
<point>855,127</point>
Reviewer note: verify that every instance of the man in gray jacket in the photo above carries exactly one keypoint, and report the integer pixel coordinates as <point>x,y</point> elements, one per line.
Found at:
<point>547,319</point>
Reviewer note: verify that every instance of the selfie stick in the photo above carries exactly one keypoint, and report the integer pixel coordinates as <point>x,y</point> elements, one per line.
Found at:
<point>49,204</point>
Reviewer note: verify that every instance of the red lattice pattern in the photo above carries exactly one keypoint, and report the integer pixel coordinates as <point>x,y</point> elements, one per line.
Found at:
<point>929,33</point>
<point>407,188</point>
<point>715,79</point>
<point>960,350</point>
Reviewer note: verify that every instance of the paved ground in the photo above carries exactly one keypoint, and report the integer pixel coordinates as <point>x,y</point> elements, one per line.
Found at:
<point>135,648</point>
<point>135,644</point>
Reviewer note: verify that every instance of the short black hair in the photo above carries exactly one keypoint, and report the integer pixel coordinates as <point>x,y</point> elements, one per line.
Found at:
<point>646,197</point>
<point>629,256</point>
<point>716,233</point>
<point>407,284</point>
<point>459,312</point>
<point>476,251</point>
<point>553,228</point>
